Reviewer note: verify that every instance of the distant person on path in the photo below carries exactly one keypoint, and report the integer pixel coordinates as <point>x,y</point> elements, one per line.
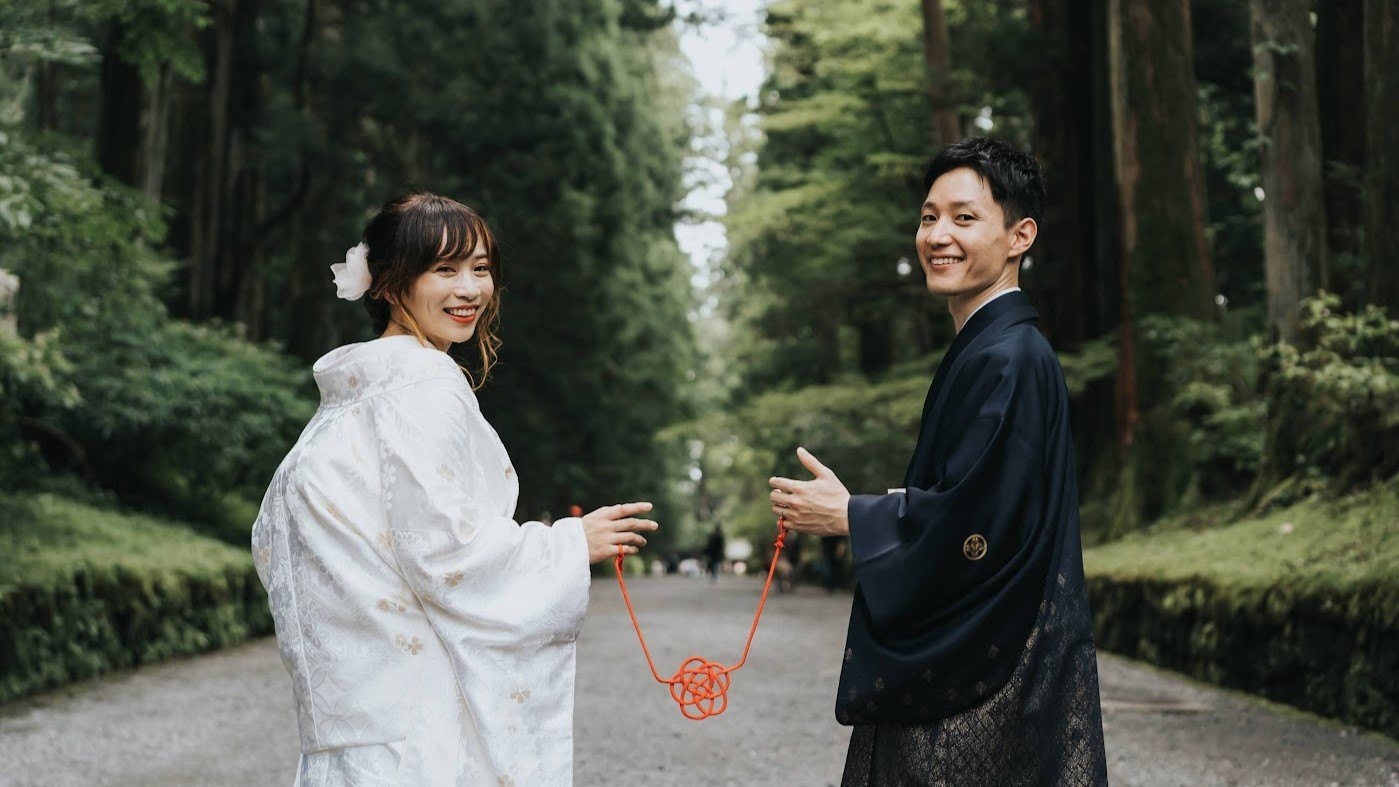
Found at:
<point>832,548</point>
<point>429,636</point>
<point>714,552</point>
<point>970,656</point>
<point>788,569</point>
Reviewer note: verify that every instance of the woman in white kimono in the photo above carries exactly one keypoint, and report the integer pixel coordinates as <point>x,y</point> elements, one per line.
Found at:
<point>429,637</point>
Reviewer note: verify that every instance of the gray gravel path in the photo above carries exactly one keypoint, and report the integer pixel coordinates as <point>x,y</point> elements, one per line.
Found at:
<point>226,719</point>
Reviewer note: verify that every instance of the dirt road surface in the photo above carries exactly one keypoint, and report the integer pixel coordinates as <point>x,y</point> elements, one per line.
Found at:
<point>226,719</point>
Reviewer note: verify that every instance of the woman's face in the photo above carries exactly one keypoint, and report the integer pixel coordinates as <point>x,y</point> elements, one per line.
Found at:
<point>448,298</point>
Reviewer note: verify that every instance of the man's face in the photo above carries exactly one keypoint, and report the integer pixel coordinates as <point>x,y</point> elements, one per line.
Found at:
<point>963,242</point>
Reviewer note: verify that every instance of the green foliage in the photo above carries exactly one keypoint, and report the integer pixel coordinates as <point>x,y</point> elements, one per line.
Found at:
<point>862,430</point>
<point>821,278</point>
<point>1335,396</point>
<point>1300,605</point>
<point>816,238</point>
<point>222,411</point>
<point>1213,382</point>
<point>1092,362</point>
<point>81,246</point>
<point>168,414</point>
<point>32,374</point>
<point>1229,146</point>
<point>1286,420</point>
<point>567,133</point>
<point>152,34</point>
<point>84,591</point>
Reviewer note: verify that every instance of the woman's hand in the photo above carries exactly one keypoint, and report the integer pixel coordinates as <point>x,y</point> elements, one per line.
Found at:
<point>611,526</point>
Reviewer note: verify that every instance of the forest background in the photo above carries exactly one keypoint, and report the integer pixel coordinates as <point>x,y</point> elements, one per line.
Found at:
<point>176,177</point>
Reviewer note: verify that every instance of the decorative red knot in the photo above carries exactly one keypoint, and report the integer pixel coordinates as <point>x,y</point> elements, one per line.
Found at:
<point>701,687</point>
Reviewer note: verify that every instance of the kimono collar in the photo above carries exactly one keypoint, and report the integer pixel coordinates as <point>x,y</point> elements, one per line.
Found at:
<point>1012,306</point>
<point>357,371</point>
<point>982,318</point>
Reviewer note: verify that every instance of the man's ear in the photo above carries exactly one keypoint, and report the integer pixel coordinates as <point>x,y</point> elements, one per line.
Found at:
<point>1023,236</point>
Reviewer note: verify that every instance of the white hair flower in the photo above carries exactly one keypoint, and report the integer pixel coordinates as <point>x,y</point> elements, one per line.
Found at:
<point>352,277</point>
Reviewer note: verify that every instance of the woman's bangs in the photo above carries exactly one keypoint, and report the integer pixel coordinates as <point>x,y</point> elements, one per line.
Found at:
<point>461,231</point>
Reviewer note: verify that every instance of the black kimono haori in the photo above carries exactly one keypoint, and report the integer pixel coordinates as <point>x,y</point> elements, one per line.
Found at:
<point>970,656</point>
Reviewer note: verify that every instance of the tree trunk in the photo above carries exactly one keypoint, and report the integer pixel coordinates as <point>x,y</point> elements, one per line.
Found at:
<point>243,252</point>
<point>9,293</point>
<point>874,325</point>
<point>1165,260</point>
<point>119,123</point>
<point>1340,70</point>
<point>46,84</point>
<point>1103,279</point>
<point>307,327</point>
<point>155,121</point>
<point>206,231</point>
<point>937,59</point>
<point>1062,100</point>
<point>1294,206</point>
<point>1382,150</point>
<point>1074,277</point>
<point>227,246</point>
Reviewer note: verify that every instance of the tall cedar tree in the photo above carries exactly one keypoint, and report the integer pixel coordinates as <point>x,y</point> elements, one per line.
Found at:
<point>1165,258</point>
<point>1289,125</point>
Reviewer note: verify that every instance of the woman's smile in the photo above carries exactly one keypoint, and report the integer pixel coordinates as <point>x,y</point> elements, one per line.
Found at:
<point>464,315</point>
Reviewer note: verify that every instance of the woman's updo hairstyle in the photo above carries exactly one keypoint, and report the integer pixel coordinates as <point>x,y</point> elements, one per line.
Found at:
<point>411,233</point>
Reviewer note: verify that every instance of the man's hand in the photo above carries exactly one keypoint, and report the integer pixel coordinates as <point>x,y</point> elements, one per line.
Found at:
<point>612,526</point>
<point>817,506</point>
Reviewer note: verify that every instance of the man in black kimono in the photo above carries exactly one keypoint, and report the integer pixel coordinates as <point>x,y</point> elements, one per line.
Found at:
<point>970,655</point>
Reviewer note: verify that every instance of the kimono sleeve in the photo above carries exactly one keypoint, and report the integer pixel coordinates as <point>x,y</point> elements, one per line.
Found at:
<point>484,579</point>
<point>924,552</point>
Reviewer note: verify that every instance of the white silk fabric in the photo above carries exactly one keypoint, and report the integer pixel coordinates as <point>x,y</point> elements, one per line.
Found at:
<point>430,638</point>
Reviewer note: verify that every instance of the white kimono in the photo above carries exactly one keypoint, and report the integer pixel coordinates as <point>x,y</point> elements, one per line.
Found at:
<point>429,637</point>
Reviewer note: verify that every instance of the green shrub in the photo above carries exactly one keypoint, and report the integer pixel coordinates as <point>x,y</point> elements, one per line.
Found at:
<point>169,415</point>
<point>1215,400</point>
<point>84,591</point>
<point>222,412</point>
<point>33,375</point>
<point>1335,397</point>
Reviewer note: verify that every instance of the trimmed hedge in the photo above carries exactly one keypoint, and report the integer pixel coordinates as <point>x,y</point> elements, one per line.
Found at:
<point>1332,652</point>
<point>74,605</point>
<point>1299,605</point>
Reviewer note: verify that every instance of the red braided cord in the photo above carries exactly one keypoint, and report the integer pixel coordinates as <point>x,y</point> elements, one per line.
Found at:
<point>700,685</point>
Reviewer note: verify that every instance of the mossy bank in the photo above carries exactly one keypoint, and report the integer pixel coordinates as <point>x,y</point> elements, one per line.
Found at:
<point>1300,605</point>
<point>85,590</point>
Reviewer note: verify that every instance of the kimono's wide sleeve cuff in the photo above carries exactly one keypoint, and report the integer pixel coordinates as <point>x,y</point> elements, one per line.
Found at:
<point>874,525</point>
<point>573,550</point>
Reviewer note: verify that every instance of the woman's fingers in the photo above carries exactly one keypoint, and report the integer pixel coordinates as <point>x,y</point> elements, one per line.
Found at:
<point>635,539</point>
<point>622,510</point>
<point>635,524</point>
<point>616,527</point>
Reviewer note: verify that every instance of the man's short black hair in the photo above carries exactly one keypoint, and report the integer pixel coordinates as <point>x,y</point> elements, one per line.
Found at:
<point>1013,175</point>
